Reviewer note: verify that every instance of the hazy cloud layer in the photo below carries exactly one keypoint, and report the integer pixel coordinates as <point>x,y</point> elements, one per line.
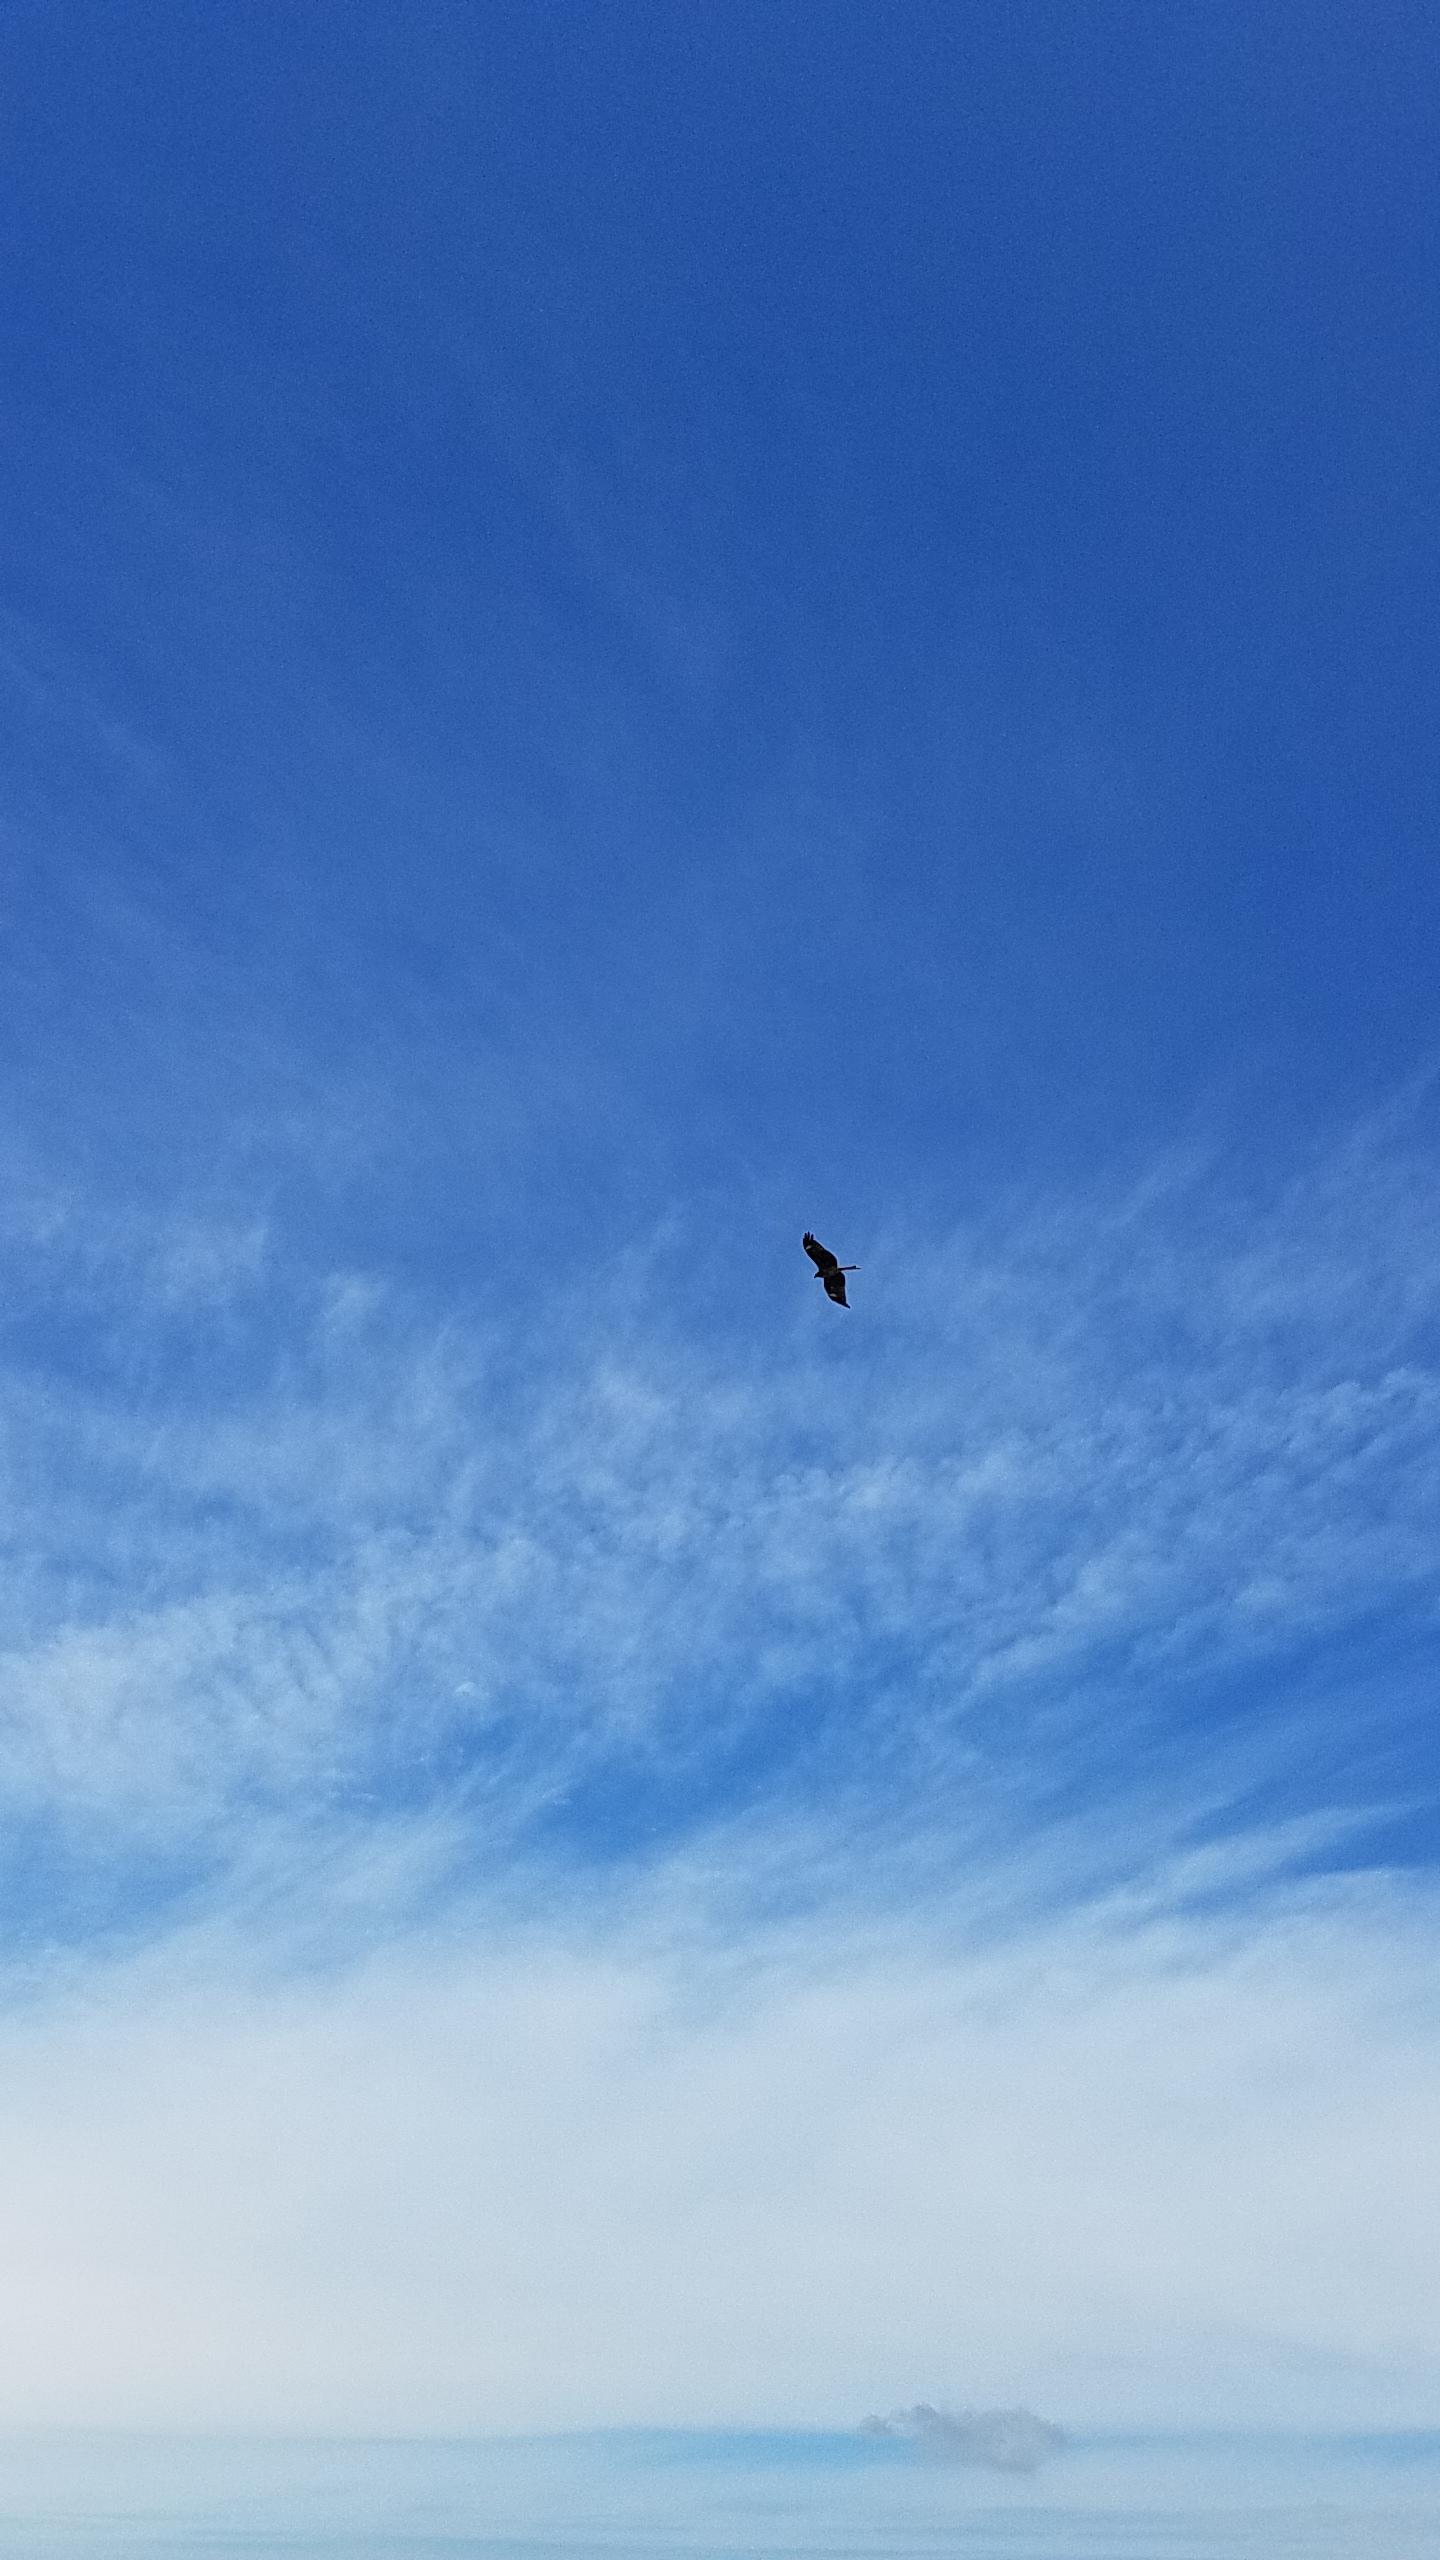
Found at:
<point>508,2175</point>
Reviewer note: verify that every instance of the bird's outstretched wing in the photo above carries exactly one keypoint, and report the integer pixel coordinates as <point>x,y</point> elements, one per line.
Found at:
<point>820,1254</point>
<point>834,1282</point>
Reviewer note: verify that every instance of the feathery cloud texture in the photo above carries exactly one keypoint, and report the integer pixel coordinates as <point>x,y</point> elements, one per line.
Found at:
<point>592,1867</point>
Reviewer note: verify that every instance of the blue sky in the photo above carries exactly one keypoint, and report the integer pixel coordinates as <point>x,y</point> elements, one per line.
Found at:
<point>734,2495</point>
<point>621,632</point>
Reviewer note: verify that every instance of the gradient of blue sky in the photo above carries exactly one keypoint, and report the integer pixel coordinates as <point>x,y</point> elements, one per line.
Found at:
<point>625,630</point>
<point>738,2497</point>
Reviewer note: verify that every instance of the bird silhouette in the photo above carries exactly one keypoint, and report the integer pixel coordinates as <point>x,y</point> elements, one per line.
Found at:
<point>827,1269</point>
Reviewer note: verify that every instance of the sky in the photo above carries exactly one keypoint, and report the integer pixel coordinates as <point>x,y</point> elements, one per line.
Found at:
<point>733,2496</point>
<point>622,632</point>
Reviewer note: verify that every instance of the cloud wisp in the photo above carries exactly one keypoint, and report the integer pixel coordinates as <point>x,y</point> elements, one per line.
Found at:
<point>1010,2440</point>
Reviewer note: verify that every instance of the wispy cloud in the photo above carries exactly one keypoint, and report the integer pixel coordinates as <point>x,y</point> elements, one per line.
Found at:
<point>700,1848</point>
<point>992,2439</point>
<point>304,1547</point>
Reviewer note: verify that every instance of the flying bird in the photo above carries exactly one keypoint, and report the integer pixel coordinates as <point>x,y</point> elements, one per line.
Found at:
<point>829,1270</point>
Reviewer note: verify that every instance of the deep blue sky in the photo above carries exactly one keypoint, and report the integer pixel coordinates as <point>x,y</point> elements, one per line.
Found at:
<point>844,593</point>
<point>623,630</point>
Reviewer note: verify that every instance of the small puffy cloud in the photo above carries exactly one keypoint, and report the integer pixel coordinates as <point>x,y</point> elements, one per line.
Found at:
<point>994,2439</point>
